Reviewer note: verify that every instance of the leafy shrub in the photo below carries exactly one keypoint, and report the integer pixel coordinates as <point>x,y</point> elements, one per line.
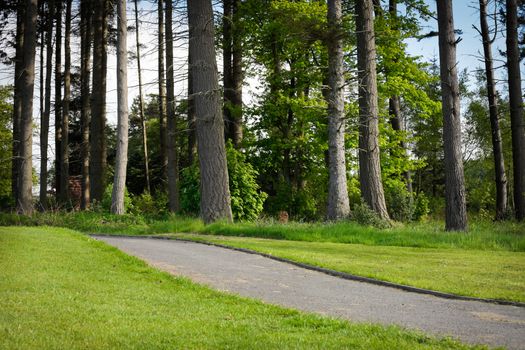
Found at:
<point>246,198</point>
<point>106,199</point>
<point>145,204</point>
<point>363,215</point>
<point>421,207</point>
<point>399,202</point>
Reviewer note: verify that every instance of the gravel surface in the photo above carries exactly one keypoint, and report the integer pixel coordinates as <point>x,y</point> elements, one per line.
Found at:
<point>279,283</point>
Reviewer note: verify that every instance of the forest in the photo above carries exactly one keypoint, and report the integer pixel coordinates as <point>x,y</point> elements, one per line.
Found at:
<point>344,123</point>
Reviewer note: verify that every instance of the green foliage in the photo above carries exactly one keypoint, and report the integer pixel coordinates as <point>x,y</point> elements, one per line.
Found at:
<point>106,199</point>
<point>246,198</point>
<point>399,202</point>
<point>144,204</point>
<point>6,135</point>
<point>365,216</point>
<point>421,207</point>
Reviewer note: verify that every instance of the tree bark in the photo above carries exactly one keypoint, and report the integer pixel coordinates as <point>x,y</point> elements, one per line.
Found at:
<point>497,146</point>
<point>44,122</point>
<point>141,103</point>
<point>25,198</point>
<point>455,211</point>
<point>42,33</point>
<point>369,165</point>
<point>516,109</point>
<point>215,193</point>
<point>121,161</point>
<point>227,66</point>
<point>64,149</point>
<point>173,156</point>
<point>58,99</point>
<point>192,139</point>
<point>17,101</point>
<point>98,152</point>
<point>338,203</point>
<point>85,114</point>
<point>162,92</point>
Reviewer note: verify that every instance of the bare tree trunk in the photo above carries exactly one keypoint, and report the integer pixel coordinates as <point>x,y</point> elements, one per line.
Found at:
<point>58,99</point>
<point>456,211</point>
<point>173,156</point>
<point>42,33</point>
<point>121,161</point>
<point>192,140</point>
<point>215,193</point>
<point>162,92</point>
<point>232,72</point>
<point>141,103</point>
<point>25,198</point>
<point>17,101</point>
<point>338,203</point>
<point>497,147</point>
<point>85,117</point>
<point>44,122</point>
<point>64,149</point>
<point>516,109</point>
<point>369,165</point>
<point>97,166</point>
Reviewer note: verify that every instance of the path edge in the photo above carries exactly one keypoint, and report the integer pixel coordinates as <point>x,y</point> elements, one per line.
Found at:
<point>339,274</point>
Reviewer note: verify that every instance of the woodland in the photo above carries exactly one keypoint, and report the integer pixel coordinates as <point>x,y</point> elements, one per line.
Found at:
<point>345,124</point>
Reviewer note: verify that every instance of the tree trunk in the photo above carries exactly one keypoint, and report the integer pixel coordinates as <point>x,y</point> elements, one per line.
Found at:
<point>516,109</point>
<point>497,146</point>
<point>141,103</point>
<point>64,149</point>
<point>215,193</point>
<point>338,203</point>
<point>44,122</point>
<point>173,157</point>
<point>192,140</point>
<point>455,211</point>
<point>121,161</point>
<point>25,184</point>
<point>58,99</point>
<point>97,166</point>
<point>17,100</point>
<point>85,116</point>
<point>162,93</point>
<point>42,34</point>
<point>237,78</point>
<point>227,67</point>
<point>369,165</point>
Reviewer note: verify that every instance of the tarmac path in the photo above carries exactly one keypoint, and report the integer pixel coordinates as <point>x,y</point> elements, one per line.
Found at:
<point>275,282</point>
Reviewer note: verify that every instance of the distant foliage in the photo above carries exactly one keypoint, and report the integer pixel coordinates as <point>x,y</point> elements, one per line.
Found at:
<point>421,207</point>
<point>399,202</point>
<point>106,199</point>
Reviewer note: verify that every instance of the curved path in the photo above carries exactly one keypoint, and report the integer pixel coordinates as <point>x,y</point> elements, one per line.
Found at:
<point>279,283</point>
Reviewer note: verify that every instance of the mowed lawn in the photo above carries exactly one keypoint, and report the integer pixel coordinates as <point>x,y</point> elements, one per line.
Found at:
<point>489,274</point>
<point>62,290</point>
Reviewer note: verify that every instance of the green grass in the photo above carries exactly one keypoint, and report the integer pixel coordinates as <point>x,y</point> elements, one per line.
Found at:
<point>475,273</point>
<point>482,235</point>
<point>62,290</point>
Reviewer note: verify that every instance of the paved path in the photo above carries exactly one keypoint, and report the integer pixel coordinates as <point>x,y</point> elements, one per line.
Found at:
<point>284,284</point>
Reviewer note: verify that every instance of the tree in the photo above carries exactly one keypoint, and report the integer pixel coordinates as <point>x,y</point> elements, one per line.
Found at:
<point>192,139</point>
<point>25,198</point>
<point>141,102</point>
<point>455,198</point>
<point>516,108</point>
<point>162,91</point>
<point>85,114</point>
<point>497,146</point>
<point>64,142</point>
<point>58,98</point>
<point>98,151</point>
<point>173,156</point>
<point>215,194</point>
<point>369,164</point>
<point>338,203</point>
<point>119,183</point>
<point>44,122</point>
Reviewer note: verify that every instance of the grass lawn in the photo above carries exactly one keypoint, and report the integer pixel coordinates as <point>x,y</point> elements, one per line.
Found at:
<point>477,273</point>
<point>62,290</point>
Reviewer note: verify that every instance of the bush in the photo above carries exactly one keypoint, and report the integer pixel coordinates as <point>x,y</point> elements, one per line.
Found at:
<point>363,215</point>
<point>246,198</point>
<point>145,204</point>
<point>399,202</point>
<point>106,199</point>
<point>421,207</point>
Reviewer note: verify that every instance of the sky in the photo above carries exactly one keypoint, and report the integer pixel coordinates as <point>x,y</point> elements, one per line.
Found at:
<point>469,52</point>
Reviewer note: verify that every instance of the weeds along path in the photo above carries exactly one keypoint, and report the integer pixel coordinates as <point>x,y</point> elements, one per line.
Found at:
<point>279,283</point>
